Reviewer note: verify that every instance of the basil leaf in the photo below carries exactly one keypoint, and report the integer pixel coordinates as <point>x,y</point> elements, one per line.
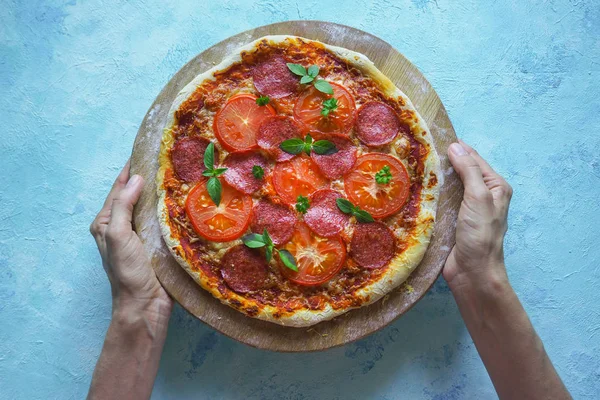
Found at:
<point>362,216</point>
<point>209,156</point>
<point>306,79</point>
<point>297,69</point>
<point>263,100</point>
<point>384,176</point>
<point>325,112</point>
<point>208,172</point>
<point>344,205</point>
<point>292,146</point>
<point>324,147</point>
<point>288,259</point>
<point>269,253</point>
<point>313,71</point>
<point>214,190</point>
<point>258,172</point>
<point>253,240</point>
<point>302,204</point>
<point>267,238</point>
<point>219,171</point>
<point>323,86</point>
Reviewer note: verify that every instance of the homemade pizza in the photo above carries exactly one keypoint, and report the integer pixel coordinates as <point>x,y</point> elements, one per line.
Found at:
<point>296,182</point>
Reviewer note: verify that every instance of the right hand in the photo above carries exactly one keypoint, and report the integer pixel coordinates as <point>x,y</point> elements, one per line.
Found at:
<point>478,255</point>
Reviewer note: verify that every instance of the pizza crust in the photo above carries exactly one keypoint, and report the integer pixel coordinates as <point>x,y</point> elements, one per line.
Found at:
<point>401,265</point>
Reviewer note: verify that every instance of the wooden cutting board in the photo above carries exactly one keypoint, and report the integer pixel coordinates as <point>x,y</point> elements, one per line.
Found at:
<point>354,324</point>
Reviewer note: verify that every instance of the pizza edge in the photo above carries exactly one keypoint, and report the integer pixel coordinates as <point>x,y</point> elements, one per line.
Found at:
<point>401,265</point>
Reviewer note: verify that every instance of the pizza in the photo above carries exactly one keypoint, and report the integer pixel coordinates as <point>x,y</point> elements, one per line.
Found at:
<point>296,182</point>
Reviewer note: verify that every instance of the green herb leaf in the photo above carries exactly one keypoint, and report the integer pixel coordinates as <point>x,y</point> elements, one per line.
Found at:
<point>267,238</point>
<point>384,176</point>
<point>258,172</point>
<point>302,204</point>
<point>324,147</point>
<point>344,205</point>
<point>307,144</point>
<point>288,259</point>
<point>219,171</point>
<point>253,240</point>
<point>306,79</point>
<point>208,173</point>
<point>209,156</point>
<point>214,189</point>
<point>329,106</point>
<point>292,146</point>
<point>362,215</point>
<point>269,253</point>
<point>313,71</point>
<point>348,208</point>
<point>297,69</point>
<point>263,100</point>
<point>323,86</point>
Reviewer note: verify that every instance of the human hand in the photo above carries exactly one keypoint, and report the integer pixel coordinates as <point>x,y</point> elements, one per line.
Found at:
<point>133,281</point>
<point>478,256</point>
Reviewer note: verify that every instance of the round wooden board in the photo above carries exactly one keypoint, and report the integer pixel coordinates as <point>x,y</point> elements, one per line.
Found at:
<point>354,324</point>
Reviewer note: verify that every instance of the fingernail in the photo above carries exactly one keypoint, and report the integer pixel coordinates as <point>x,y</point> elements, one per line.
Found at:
<point>458,150</point>
<point>133,181</point>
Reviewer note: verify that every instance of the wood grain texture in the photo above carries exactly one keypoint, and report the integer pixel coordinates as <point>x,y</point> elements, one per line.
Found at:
<point>354,324</point>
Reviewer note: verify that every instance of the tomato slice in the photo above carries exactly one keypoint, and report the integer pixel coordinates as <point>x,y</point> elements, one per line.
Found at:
<point>298,176</point>
<point>380,200</point>
<point>236,124</point>
<point>307,111</point>
<point>319,259</point>
<point>226,222</point>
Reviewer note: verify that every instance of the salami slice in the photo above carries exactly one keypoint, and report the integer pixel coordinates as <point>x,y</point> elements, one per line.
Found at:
<point>187,155</point>
<point>377,124</point>
<point>373,245</point>
<point>336,165</point>
<point>323,216</point>
<point>274,79</point>
<point>244,270</point>
<point>239,170</point>
<point>277,219</point>
<point>273,132</point>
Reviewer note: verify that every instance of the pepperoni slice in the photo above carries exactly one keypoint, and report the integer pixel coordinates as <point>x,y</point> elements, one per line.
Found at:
<point>187,156</point>
<point>239,171</point>
<point>377,124</point>
<point>298,176</point>
<point>373,245</point>
<point>323,216</point>
<point>274,79</point>
<point>275,130</point>
<point>336,165</point>
<point>277,219</point>
<point>244,270</point>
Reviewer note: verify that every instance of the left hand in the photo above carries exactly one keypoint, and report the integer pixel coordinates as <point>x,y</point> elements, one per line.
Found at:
<point>124,258</point>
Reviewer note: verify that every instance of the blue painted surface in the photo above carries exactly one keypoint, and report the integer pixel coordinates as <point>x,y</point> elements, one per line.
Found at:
<point>520,80</point>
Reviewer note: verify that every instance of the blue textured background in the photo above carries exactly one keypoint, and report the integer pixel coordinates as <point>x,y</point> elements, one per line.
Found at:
<point>520,80</point>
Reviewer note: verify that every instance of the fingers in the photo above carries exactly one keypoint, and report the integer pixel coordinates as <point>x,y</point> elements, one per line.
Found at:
<point>120,182</point>
<point>122,209</point>
<point>101,220</point>
<point>470,173</point>
<point>501,190</point>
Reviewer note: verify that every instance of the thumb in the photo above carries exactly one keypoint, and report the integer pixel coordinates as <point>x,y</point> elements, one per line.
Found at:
<point>469,171</point>
<point>122,206</point>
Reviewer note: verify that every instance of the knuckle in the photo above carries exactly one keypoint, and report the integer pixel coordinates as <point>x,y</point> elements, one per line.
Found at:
<point>114,233</point>
<point>94,228</point>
